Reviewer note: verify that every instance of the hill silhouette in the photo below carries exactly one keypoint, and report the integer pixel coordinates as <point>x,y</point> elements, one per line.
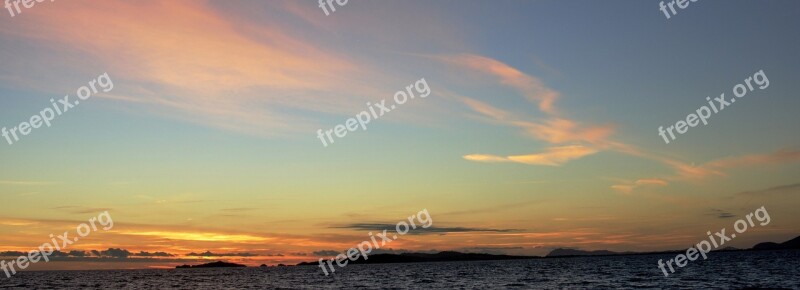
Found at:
<point>452,256</point>
<point>217,264</point>
<point>788,245</point>
<point>446,256</point>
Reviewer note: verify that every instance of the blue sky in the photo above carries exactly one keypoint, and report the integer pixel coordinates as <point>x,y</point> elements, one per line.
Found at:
<point>543,119</point>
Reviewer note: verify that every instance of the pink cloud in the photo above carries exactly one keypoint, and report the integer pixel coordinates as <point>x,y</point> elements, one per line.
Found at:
<point>532,88</point>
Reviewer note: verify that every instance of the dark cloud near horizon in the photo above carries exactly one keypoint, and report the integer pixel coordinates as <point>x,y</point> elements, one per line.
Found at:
<point>333,253</point>
<point>110,253</point>
<point>326,253</point>
<point>80,209</point>
<point>379,227</point>
<point>771,190</point>
<point>489,250</point>
<point>718,213</point>
<point>210,254</point>
<point>154,254</point>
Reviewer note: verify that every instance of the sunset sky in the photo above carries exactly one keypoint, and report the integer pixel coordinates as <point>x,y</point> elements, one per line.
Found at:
<point>540,131</point>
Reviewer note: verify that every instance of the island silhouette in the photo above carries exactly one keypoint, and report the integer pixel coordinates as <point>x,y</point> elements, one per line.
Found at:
<point>217,264</point>
<point>453,256</point>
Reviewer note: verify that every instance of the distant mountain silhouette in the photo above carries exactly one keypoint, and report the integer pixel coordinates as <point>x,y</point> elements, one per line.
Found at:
<point>790,244</point>
<point>450,256</point>
<point>218,264</point>
<point>447,256</point>
<point>573,252</point>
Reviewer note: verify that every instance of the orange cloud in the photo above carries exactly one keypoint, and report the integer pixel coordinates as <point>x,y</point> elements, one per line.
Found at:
<point>555,130</point>
<point>187,60</point>
<point>559,130</point>
<point>199,236</point>
<point>652,181</point>
<point>780,156</point>
<point>629,187</point>
<point>714,168</point>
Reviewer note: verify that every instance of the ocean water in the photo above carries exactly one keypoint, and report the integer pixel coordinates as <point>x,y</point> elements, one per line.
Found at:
<point>731,270</point>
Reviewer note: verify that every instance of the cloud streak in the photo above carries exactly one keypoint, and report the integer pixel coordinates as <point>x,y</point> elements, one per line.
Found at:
<point>189,61</point>
<point>419,230</point>
<point>553,156</point>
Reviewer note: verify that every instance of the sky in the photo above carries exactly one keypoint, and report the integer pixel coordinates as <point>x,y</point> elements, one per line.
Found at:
<point>540,130</point>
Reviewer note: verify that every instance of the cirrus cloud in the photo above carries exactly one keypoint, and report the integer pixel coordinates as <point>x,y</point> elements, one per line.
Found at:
<point>554,156</point>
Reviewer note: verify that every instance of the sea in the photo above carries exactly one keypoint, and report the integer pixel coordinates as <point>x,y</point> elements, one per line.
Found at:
<point>722,270</point>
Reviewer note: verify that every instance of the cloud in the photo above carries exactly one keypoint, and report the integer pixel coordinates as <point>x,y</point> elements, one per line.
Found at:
<point>574,140</point>
<point>326,253</point>
<point>78,253</point>
<point>153,254</point>
<point>240,209</point>
<point>718,213</point>
<point>112,253</point>
<point>777,157</point>
<point>198,236</point>
<point>493,209</point>
<point>628,187</point>
<point>554,156</point>
<point>210,254</point>
<point>419,230</point>
<point>489,250</point>
<point>716,168</point>
<point>190,61</point>
<point>560,130</point>
<point>486,109</point>
<point>80,209</point>
<point>23,183</point>
<point>12,254</point>
<point>652,181</point>
<point>530,87</point>
<point>782,189</point>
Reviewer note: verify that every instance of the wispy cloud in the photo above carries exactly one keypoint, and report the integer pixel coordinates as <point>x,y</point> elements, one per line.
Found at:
<point>572,140</point>
<point>80,209</point>
<point>628,187</point>
<point>210,254</point>
<point>554,156</point>
<point>721,214</point>
<point>23,183</point>
<point>532,88</point>
<point>199,236</point>
<point>188,60</point>
<point>717,168</point>
<point>419,229</point>
<point>782,189</point>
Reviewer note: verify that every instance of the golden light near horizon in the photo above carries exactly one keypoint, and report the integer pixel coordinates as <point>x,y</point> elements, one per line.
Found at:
<point>214,130</point>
